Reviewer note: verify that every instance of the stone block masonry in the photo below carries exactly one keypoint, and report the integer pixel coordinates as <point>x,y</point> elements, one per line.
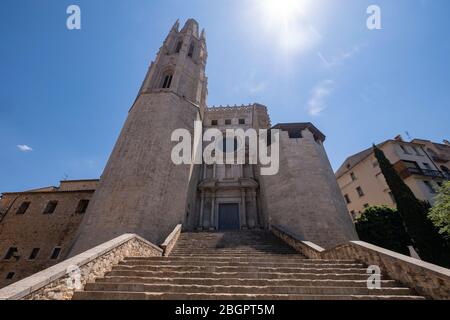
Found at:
<point>52,283</point>
<point>425,278</point>
<point>304,195</point>
<point>141,190</point>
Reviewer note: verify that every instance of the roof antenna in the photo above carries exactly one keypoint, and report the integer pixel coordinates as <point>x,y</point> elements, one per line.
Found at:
<point>407,134</point>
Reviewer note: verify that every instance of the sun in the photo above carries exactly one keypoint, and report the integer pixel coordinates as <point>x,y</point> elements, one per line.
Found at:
<point>283,11</point>
<point>287,23</point>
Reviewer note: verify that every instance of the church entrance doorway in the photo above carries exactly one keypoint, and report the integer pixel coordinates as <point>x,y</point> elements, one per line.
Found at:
<point>229,216</point>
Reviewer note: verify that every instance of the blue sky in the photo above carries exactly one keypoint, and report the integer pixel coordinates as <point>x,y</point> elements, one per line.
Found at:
<point>65,94</point>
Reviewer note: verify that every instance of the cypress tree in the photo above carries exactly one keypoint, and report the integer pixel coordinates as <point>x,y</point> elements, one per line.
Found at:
<point>425,236</point>
<point>383,226</point>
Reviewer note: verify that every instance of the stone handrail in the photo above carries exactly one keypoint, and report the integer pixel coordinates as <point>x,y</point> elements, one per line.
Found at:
<point>62,280</point>
<point>171,240</point>
<point>425,278</point>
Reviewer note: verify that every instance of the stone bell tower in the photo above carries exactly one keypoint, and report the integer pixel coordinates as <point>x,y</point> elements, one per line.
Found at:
<point>141,190</point>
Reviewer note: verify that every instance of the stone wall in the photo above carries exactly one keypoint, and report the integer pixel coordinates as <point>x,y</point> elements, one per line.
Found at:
<point>142,191</point>
<point>304,195</point>
<point>36,230</point>
<point>58,282</point>
<point>427,279</point>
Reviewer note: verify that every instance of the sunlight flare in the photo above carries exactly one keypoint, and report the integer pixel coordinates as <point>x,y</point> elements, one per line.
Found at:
<point>286,21</point>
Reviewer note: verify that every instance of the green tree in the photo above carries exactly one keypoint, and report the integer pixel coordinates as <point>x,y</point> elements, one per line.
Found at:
<point>383,226</point>
<point>425,236</point>
<point>440,213</point>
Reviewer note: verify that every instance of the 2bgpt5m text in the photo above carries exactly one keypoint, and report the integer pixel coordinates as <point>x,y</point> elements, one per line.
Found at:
<point>226,310</point>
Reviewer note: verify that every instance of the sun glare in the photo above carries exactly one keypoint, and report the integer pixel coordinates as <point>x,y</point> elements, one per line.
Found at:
<point>283,10</point>
<point>287,21</point>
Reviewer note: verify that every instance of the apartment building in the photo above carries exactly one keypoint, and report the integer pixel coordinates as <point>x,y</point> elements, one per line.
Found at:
<point>422,164</point>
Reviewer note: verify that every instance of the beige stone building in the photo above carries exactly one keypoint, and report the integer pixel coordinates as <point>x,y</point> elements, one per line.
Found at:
<point>38,226</point>
<point>422,164</point>
<point>142,191</point>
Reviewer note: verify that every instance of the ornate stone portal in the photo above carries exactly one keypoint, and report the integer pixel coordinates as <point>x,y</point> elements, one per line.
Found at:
<point>229,194</point>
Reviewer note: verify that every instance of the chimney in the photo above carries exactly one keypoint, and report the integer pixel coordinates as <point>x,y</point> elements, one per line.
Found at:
<point>399,138</point>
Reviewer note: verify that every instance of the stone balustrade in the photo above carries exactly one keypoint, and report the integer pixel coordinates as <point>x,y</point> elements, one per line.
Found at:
<point>171,240</point>
<point>427,279</point>
<point>62,280</point>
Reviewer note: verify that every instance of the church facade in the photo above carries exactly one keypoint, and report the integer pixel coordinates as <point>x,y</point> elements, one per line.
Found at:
<point>143,191</point>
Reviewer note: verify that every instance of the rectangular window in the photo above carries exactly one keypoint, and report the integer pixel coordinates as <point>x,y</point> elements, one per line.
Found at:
<point>214,122</point>
<point>56,253</point>
<point>392,197</point>
<point>416,151</point>
<point>51,207</point>
<point>411,164</point>
<point>34,254</point>
<point>360,191</point>
<point>228,122</point>
<point>241,121</point>
<point>11,253</point>
<point>10,275</point>
<point>347,199</point>
<point>82,206</point>
<point>404,149</point>
<point>430,186</point>
<point>353,175</point>
<point>23,208</point>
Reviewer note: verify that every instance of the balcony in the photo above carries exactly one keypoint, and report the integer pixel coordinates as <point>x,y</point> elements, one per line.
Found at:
<point>441,158</point>
<point>424,172</point>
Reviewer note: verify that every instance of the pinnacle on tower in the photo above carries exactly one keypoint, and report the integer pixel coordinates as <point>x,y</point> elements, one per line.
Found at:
<point>176,25</point>
<point>192,27</point>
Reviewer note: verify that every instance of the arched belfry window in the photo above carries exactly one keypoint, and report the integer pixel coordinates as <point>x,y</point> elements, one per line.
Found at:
<point>191,50</point>
<point>167,80</point>
<point>179,46</point>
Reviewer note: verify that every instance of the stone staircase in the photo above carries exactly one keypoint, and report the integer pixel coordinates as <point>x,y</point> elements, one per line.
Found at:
<point>238,266</point>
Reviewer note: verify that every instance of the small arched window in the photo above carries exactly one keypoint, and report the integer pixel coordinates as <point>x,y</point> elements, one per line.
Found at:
<point>179,46</point>
<point>167,80</point>
<point>191,50</point>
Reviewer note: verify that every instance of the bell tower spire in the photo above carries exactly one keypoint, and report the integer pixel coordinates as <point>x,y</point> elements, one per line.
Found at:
<point>180,65</point>
<point>142,190</point>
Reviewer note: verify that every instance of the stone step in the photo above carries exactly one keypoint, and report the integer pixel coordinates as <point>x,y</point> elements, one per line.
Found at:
<point>240,243</point>
<point>238,266</point>
<point>235,249</point>
<point>218,244</point>
<point>246,282</point>
<point>237,259</point>
<point>220,251</point>
<point>231,255</point>
<point>212,263</point>
<point>237,275</point>
<point>312,269</point>
<point>295,290</point>
<point>86,295</point>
